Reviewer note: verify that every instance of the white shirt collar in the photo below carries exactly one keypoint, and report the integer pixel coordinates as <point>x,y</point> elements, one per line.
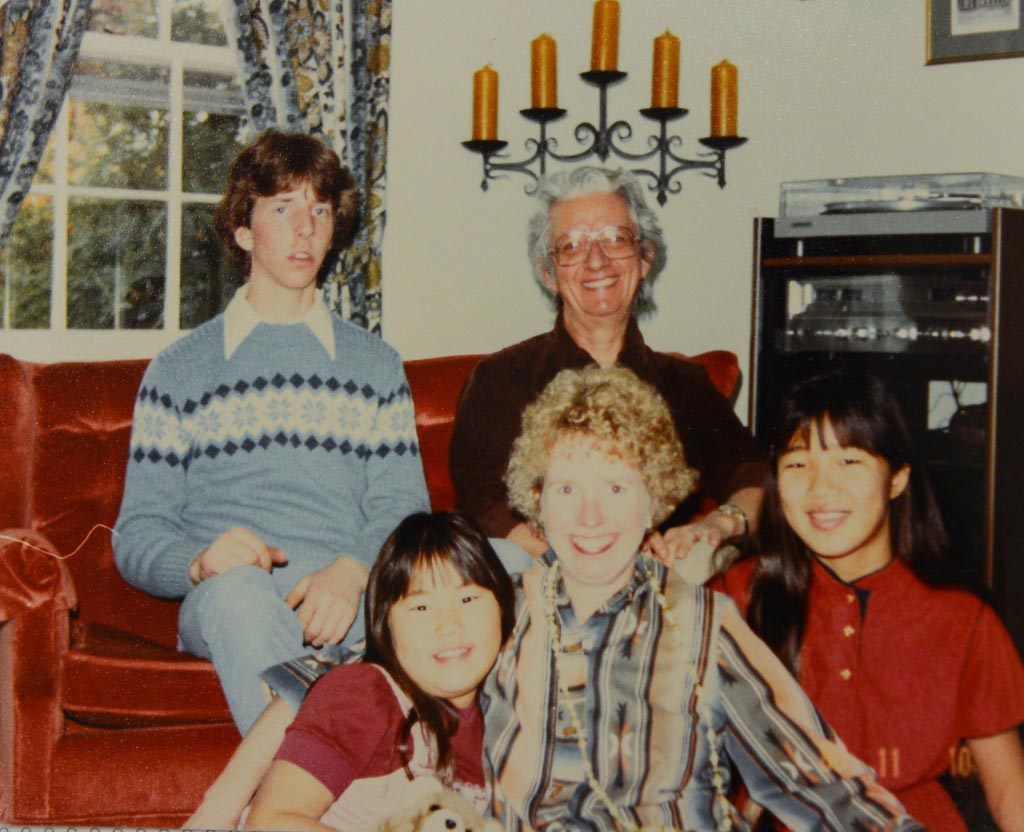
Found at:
<point>240,319</point>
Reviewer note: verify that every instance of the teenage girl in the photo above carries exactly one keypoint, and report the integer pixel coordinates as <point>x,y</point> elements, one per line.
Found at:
<point>439,605</point>
<point>903,669</point>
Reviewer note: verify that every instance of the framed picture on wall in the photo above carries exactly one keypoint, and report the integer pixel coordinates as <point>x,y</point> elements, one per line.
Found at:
<point>974,30</point>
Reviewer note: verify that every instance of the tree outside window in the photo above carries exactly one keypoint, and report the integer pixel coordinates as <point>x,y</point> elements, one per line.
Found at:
<point>116,232</point>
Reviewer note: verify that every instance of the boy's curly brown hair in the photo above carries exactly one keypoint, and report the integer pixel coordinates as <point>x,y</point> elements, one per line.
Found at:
<point>277,162</point>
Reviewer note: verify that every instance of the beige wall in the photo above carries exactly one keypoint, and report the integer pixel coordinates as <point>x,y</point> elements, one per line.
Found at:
<point>827,88</point>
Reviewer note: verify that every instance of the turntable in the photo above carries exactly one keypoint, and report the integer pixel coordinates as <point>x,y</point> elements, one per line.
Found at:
<point>942,203</point>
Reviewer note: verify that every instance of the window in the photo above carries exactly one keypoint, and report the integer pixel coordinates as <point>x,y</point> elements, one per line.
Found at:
<point>116,231</point>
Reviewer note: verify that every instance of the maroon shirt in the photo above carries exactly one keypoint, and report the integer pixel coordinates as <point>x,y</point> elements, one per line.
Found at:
<point>349,728</point>
<point>906,679</point>
<point>491,406</point>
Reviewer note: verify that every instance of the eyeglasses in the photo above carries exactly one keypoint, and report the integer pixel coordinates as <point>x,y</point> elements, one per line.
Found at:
<point>615,242</point>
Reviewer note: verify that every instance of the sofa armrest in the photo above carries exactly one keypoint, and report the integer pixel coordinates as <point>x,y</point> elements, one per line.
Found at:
<point>32,573</point>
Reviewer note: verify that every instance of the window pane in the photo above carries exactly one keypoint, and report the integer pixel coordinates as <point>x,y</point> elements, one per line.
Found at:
<point>44,173</point>
<point>213,118</point>
<point>124,17</point>
<point>116,264</point>
<point>25,267</point>
<point>209,147</point>
<point>119,126</point>
<point>207,280</point>
<point>197,21</point>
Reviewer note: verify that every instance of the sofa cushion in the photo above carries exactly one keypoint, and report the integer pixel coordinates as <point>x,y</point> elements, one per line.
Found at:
<point>436,384</point>
<point>83,424</point>
<point>131,778</point>
<point>722,368</point>
<point>113,679</point>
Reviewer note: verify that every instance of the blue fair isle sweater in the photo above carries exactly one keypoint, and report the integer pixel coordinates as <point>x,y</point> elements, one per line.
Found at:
<point>317,456</point>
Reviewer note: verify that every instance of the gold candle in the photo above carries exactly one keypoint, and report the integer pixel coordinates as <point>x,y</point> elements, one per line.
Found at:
<point>665,71</point>
<point>485,104</point>
<point>544,71</point>
<point>604,48</point>
<point>724,93</point>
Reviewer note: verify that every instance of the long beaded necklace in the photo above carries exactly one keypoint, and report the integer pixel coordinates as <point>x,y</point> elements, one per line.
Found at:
<point>555,628</point>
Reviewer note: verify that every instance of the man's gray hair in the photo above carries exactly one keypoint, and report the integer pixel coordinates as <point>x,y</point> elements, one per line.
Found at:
<point>588,180</point>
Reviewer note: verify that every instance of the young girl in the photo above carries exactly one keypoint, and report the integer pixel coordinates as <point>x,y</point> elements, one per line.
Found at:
<point>438,607</point>
<point>843,591</point>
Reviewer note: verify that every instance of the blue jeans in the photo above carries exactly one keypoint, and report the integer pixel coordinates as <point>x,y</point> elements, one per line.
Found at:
<point>240,622</point>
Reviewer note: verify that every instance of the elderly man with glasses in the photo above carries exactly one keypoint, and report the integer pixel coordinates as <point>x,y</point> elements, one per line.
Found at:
<point>596,247</point>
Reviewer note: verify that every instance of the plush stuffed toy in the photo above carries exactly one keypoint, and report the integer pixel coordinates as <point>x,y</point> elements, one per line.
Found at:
<point>432,808</point>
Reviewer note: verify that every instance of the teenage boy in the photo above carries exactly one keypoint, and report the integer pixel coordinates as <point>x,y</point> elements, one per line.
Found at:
<point>274,448</point>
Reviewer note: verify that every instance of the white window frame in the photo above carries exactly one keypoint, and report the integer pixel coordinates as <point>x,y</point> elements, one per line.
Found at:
<point>40,344</point>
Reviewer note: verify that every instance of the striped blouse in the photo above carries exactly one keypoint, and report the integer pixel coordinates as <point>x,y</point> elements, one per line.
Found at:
<point>666,701</point>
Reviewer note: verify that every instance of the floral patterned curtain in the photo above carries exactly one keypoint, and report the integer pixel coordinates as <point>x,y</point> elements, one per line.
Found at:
<point>39,41</point>
<point>302,71</point>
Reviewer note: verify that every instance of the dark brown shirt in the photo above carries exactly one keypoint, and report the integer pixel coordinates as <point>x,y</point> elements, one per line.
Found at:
<point>503,384</point>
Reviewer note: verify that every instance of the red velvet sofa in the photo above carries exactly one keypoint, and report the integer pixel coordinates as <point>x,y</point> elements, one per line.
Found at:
<point>102,721</point>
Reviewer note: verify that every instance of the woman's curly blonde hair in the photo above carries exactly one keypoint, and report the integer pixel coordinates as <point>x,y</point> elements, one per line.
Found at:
<point>624,416</point>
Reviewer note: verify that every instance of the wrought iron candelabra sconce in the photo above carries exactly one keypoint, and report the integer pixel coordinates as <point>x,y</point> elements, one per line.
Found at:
<point>604,141</point>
